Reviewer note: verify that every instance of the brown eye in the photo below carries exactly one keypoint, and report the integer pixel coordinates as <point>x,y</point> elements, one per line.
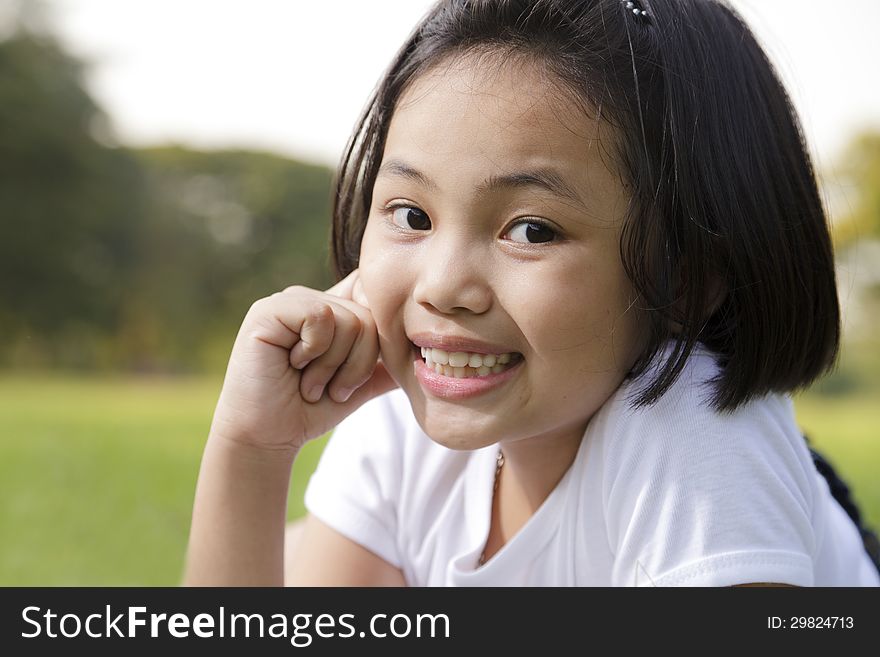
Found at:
<point>531,232</point>
<point>411,218</point>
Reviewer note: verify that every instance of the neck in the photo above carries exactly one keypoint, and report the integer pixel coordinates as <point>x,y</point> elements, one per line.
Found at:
<point>533,468</point>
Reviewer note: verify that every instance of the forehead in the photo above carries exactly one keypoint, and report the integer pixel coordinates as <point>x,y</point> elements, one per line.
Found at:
<point>482,113</point>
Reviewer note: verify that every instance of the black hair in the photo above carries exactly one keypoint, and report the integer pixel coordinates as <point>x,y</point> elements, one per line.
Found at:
<point>725,239</point>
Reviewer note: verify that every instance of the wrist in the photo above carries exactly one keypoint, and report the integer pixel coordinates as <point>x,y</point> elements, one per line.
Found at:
<point>239,512</point>
<point>247,452</point>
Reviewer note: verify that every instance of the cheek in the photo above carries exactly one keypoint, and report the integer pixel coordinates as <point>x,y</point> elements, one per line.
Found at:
<point>380,275</point>
<point>590,325</point>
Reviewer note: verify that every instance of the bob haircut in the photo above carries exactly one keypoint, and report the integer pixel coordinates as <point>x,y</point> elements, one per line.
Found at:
<point>725,238</point>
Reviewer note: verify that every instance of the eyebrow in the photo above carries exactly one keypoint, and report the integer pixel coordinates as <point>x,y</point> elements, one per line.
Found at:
<point>543,178</point>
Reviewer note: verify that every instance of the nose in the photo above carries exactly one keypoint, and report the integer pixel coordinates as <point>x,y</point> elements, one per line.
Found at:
<point>453,277</point>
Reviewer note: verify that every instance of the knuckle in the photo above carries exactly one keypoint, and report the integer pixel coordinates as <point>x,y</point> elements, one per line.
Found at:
<point>258,305</point>
<point>354,327</point>
<point>320,313</point>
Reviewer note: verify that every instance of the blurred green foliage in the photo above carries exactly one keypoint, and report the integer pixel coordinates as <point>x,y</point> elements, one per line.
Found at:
<point>140,260</point>
<point>860,169</point>
<point>70,206</point>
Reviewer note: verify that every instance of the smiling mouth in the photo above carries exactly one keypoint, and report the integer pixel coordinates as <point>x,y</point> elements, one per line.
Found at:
<point>465,364</point>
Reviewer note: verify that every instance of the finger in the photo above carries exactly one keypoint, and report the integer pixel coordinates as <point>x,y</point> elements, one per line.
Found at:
<point>322,368</point>
<point>379,383</point>
<point>359,365</point>
<point>357,293</point>
<point>315,335</point>
<point>344,287</point>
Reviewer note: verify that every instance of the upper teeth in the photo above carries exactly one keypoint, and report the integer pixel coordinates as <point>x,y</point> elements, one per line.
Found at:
<point>463,358</point>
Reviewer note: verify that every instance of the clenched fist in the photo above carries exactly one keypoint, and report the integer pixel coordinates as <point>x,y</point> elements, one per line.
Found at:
<point>302,361</point>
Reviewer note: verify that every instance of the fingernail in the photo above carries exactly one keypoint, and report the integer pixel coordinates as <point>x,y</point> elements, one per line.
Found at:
<point>315,393</point>
<point>344,394</point>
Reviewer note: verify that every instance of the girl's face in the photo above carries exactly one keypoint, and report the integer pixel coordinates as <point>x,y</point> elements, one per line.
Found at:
<point>495,229</point>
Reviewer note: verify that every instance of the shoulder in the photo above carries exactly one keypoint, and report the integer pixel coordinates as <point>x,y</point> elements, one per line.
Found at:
<point>731,492</point>
<point>682,424</point>
<point>381,481</point>
<point>356,486</point>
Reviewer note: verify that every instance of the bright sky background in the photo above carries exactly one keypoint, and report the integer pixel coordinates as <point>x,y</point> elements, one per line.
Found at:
<point>292,75</point>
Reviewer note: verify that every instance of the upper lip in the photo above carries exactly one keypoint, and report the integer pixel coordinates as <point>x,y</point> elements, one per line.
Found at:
<point>458,343</point>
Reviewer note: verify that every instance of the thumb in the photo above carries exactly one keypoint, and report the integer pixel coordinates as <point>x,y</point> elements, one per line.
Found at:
<point>357,293</point>
<point>343,288</point>
<point>351,288</point>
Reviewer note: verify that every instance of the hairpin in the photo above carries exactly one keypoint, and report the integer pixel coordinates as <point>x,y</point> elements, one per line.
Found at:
<point>636,9</point>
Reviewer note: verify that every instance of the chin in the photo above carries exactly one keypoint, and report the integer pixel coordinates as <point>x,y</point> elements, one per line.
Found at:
<point>449,424</point>
<point>459,436</point>
<point>457,442</point>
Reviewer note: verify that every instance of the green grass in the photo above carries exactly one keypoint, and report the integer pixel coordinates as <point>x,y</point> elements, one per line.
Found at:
<point>97,475</point>
<point>97,478</point>
<point>846,430</point>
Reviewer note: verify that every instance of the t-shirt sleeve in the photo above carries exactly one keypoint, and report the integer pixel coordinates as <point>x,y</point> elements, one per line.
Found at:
<point>355,487</point>
<point>694,498</point>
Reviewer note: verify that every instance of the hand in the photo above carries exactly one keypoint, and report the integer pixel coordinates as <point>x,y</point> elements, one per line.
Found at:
<point>302,361</point>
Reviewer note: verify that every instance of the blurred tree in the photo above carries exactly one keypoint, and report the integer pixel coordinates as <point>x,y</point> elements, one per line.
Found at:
<point>69,205</point>
<point>136,259</point>
<point>860,168</point>
<point>855,195</point>
<point>225,229</point>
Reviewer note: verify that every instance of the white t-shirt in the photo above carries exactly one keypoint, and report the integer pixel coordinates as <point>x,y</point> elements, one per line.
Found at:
<point>669,495</point>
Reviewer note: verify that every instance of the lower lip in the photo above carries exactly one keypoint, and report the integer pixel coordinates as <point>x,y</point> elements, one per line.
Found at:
<point>449,387</point>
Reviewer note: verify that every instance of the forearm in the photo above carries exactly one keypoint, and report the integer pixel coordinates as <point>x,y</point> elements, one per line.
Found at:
<point>239,513</point>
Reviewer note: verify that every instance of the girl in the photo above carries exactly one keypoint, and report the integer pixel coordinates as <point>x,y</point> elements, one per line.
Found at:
<point>583,262</point>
